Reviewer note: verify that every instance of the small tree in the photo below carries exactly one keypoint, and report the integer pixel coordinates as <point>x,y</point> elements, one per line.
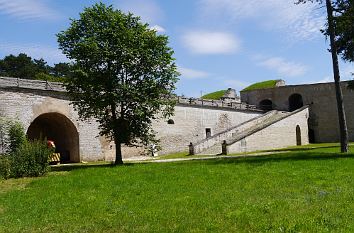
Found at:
<point>125,74</point>
<point>17,136</point>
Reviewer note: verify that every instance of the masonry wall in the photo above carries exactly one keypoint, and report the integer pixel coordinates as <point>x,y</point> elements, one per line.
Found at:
<point>26,105</point>
<point>323,119</point>
<point>278,135</point>
<point>189,125</point>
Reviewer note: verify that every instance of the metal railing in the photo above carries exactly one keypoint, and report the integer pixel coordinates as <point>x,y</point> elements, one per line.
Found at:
<point>235,104</point>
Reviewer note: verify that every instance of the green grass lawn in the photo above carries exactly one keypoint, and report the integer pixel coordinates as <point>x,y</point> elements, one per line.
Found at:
<point>309,189</point>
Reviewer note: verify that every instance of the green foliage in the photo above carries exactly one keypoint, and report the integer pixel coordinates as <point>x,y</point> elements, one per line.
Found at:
<point>20,66</point>
<point>307,190</point>
<point>49,78</point>
<point>261,85</point>
<point>30,159</point>
<point>214,95</point>
<point>23,66</point>
<point>125,73</point>
<point>16,135</point>
<point>5,167</point>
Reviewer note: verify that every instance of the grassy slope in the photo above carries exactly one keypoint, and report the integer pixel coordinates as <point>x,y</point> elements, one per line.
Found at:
<point>214,95</point>
<point>261,85</point>
<point>307,190</point>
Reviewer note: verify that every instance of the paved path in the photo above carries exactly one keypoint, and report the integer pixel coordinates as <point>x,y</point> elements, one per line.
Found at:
<point>145,159</point>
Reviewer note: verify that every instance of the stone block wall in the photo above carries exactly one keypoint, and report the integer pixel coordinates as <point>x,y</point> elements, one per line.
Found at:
<point>190,124</point>
<point>278,135</point>
<point>323,118</point>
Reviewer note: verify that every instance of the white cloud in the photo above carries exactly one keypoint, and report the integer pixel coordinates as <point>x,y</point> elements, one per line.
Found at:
<point>192,74</point>
<point>348,72</point>
<point>239,85</point>
<point>148,10</point>
<point>282,67</point>
<point>49,54</point>
<point>208,42</point>
<point>158,28</point>
<point>28,9</point>
<point>301,21</point>
<point>326,79</point>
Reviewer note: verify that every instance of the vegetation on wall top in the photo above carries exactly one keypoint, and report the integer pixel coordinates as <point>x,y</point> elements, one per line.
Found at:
<point>214,95</point>
<point>261,85</point>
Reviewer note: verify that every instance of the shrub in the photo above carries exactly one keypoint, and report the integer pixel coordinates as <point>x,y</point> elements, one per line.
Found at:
<point>5,165</point>
<point>16,135</point>
<point>30,159</point>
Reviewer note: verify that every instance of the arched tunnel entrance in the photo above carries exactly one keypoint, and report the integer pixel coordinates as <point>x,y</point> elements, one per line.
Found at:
<point>266,105</point>
<point>295,102</point>
<point>58,128</point>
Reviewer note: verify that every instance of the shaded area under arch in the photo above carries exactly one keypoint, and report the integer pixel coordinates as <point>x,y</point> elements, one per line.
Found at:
<point>58,128</point>
<point>295,102</point>
<point>266,105</point>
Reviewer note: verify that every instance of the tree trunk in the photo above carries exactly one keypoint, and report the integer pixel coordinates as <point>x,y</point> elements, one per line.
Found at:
<point>339,94</point>
<point>118,153</point>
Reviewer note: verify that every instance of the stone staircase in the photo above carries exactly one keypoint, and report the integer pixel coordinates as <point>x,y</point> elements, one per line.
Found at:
<point>213,145</point>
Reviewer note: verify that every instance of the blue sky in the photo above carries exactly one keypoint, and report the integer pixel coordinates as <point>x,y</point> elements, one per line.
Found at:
<point>217,43</point>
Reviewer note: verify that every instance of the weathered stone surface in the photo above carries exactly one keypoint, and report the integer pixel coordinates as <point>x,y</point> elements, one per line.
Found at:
<point>27,100</point>
<point>323,120</point>
<point>282,133</point>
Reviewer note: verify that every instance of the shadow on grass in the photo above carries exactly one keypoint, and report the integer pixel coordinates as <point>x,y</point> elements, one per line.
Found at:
<point>77,166</point>
<point>301,149</point>
<point>292,156</point>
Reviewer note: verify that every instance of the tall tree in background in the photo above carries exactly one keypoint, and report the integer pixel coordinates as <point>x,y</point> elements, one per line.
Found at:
<point>21,66</point>
<point>338,37</point>
<point>125,74</point>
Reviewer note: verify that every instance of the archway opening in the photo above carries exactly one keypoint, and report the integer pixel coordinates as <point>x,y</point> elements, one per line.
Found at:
<point>266,105</point>
<point>295,102</point>
<point>58,128</point>
<point>298,136</point>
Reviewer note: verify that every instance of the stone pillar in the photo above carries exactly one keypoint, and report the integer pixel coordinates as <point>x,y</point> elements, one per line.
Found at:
<point>191,149</point>
<point>224,148</point>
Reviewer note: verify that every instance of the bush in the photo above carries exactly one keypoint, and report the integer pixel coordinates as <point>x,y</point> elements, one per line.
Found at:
<point>17,136</point>
<point>30,159</point>
<point>5,165</point>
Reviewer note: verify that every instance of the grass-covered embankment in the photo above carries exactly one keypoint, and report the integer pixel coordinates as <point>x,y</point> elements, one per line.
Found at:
<point>214,95</point>
<point>261,85</point>
<point>305,190</point>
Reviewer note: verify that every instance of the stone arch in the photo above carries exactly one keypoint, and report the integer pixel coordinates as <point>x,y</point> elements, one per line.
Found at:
<point>266,105</point>
<point>298,136</point>
<point>57,127</point>
<point>295,102</point>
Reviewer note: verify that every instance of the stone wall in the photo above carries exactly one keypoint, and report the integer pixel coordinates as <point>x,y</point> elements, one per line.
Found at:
<point>190,124</point>
<point>323,121</point>
<point>26,106</point>
<point>280,134</point>
<point>190,121</point>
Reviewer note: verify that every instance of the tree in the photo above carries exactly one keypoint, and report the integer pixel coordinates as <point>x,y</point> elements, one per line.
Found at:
<point>334,42</point>
<point>344,28</point>
<point>125,74</point>
<point>20,66</point>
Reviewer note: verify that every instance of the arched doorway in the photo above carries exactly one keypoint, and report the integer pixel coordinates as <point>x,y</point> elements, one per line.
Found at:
<point>266,105</point>
<point>57,127</point>
<point>295,102</point>
<point>298,136</point>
